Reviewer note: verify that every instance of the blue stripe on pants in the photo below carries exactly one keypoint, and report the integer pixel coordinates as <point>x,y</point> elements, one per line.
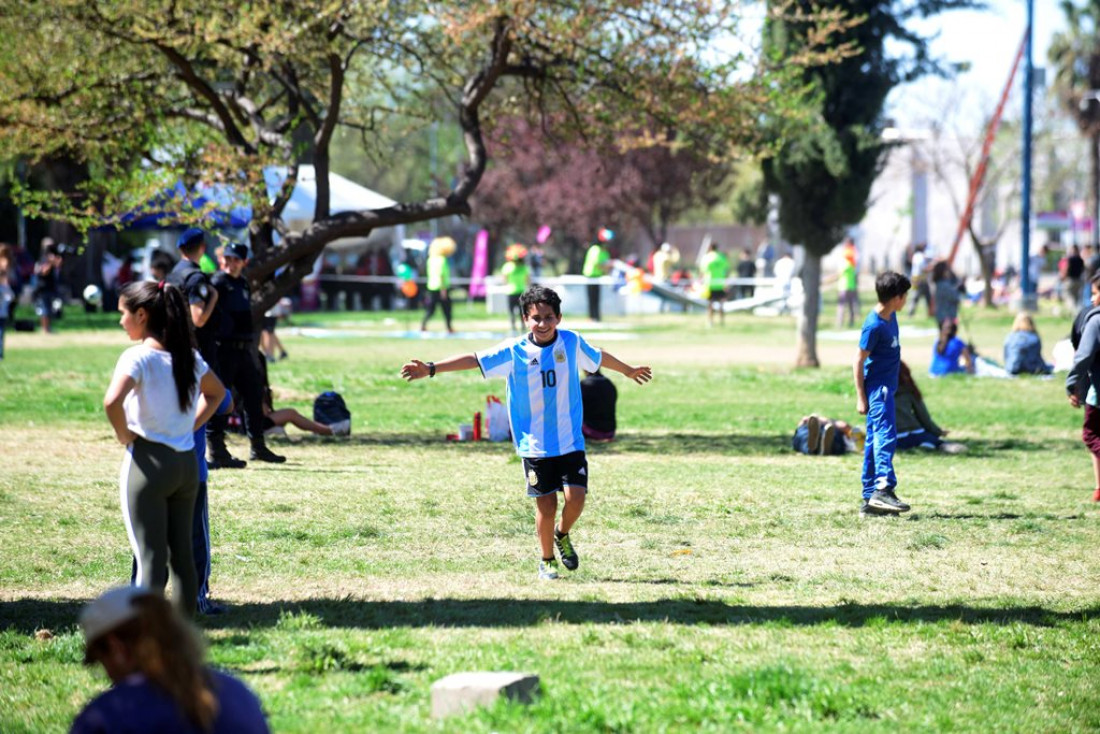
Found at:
<point>882,441</point>
<point>200,545</point>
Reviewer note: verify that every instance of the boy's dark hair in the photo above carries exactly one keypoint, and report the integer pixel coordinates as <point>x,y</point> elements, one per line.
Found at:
<point>890,285</point>
<point>161,260</point>
<point>1095,280</point>
<point>537,294</point>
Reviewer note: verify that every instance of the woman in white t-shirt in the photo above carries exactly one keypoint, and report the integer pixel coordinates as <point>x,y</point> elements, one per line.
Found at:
<point>161,392</point>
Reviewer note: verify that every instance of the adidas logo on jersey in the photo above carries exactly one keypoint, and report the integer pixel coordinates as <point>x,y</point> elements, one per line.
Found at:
<point>534,361</point>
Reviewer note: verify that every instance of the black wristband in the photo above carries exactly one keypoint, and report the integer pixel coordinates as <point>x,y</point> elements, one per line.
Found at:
<point>431,369</point>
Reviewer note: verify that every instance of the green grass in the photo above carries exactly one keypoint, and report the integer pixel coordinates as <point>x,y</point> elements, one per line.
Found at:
<point>726,583</point>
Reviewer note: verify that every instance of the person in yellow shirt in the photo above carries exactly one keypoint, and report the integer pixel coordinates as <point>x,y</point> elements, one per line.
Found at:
<point>848,285</point>
<point>715,269</point>
<point>439,280</point>
<point>597,261</point>
<point>517,276</point>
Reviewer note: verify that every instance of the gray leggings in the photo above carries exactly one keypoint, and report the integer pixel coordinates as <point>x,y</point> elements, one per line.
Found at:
<point>158,486</point>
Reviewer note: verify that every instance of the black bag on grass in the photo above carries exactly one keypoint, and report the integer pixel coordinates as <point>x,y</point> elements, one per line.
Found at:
<point>329,408</point>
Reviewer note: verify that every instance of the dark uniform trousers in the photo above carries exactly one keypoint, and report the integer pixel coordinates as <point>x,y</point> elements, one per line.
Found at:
<point>237,362</point>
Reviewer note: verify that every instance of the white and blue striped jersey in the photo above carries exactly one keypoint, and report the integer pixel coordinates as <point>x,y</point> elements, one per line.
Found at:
<point>544,390</point>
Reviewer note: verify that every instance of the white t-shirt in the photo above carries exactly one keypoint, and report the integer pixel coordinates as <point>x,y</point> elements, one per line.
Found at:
<point>152,408</point>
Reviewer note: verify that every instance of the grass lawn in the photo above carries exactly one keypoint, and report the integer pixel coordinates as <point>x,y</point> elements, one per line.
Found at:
<point>726,583</point>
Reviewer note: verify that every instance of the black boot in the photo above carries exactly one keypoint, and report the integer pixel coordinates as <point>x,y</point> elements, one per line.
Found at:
<point>260,452</point>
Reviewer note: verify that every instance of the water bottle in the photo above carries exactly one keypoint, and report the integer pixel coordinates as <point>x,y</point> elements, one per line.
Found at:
<point>859,438</point>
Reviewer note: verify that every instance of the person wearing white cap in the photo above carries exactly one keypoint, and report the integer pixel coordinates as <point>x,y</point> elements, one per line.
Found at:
<point>158,680</point>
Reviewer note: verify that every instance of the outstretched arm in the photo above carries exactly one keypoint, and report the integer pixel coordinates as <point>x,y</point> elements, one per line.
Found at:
<point>640,375</point>
<point>415,369</point>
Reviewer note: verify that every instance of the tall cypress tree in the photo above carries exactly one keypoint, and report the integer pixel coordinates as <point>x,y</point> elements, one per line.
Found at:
<point>824,176</point>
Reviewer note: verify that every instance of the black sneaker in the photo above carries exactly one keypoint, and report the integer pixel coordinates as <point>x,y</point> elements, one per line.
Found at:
<point>211,608</point>
<point>865,510</point>
<point>263,453</point>
<point>569,557</point>
<point>885,499</point>
<point>226,461</point>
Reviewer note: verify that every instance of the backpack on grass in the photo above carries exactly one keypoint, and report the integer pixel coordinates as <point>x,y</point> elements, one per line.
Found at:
<point>329,408</point>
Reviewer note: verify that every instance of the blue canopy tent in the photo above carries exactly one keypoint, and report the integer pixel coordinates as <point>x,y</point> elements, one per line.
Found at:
<point>226,213</point>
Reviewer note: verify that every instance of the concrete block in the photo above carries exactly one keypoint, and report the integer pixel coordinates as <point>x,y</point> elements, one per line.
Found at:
<point>460,692</point>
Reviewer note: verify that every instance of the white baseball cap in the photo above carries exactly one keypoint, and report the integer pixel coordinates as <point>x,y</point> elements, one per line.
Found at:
<point>110,610</point>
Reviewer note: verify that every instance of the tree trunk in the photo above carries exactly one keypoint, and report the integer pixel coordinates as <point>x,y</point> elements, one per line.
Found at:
<point>987,256</point>
<point>807,317</point>
<point>1094,185</point>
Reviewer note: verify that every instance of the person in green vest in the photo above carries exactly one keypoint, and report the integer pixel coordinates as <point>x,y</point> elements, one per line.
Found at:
<point>439,280</point>
<point>715,269</point>
<point>517,276</point>
<point>597,262</point>
<point>847,298</point>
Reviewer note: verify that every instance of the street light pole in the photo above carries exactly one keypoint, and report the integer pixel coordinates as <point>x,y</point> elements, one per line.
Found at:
<point>1028,298</point>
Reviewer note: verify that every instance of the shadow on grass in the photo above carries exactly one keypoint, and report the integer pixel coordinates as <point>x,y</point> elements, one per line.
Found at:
<point>986,447</point>
<point>992,516</point>
<point>28,615</point>
<point>677,443</point>
<point>626,443</point>
<point>670,444</point>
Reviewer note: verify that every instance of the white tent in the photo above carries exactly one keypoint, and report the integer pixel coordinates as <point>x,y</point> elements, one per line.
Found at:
<point>344,194</point>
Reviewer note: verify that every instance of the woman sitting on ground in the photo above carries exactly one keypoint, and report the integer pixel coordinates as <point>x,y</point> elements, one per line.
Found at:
<point>1023,349</point>
<point>950,353</point>
<point>276,420</point>
<point>915,426</point>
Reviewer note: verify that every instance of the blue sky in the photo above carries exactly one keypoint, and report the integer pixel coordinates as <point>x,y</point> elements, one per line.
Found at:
<point>988,40</point>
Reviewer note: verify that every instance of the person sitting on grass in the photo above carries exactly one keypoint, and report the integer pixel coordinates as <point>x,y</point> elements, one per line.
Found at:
<point>158,680</point>
<point>274,421</point>
<point>951,354</point>
<point>1024,349</point>
<point>545,411</point>
<point>916,429</point>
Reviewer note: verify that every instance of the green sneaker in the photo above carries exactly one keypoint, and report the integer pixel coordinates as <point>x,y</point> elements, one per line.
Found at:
<point>569,557</point>
<point>548,570</point>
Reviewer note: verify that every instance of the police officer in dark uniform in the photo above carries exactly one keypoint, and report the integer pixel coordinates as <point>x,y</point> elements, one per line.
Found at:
<point>205,315</point>
<point>237,352</point>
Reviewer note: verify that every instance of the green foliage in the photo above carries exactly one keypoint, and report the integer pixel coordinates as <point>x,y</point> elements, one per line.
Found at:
<point>145,94</point>
<point>824,176</point>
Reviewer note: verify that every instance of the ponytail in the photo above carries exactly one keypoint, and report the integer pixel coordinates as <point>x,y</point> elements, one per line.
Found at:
<point>948,330</point>
<point>170,322</point>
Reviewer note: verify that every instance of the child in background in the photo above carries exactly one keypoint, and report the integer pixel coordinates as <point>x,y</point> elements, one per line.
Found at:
<point>1082,380</point>
<point>545,410</point>
<point>951,354</point>
<point>7,294</point>
<point>876,380</point>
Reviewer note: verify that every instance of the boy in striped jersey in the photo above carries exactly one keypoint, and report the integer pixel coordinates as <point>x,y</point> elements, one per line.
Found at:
<point>543,369</point>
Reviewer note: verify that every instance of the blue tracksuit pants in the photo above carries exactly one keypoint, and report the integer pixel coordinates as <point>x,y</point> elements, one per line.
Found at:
<point>882,440</point>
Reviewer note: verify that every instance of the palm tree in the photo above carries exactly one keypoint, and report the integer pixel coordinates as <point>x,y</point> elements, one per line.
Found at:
<point>1075,55</point>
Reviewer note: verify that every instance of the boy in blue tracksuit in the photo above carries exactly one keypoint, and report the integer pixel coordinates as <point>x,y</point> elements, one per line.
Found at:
<point>876,378</point>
